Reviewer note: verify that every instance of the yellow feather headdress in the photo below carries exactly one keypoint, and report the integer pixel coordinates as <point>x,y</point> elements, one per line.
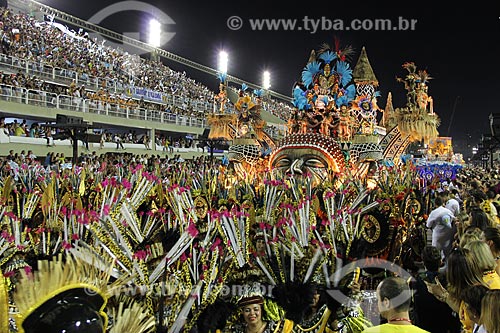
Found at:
<point>65,279</point>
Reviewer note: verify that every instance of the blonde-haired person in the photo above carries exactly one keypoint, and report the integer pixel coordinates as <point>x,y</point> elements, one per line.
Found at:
<point>466,238</point>
<point>461,273</point>
<point>481,255</point>
<point>492,237</point>
<point>486,263</point>
<point>490,308</point>
<point>470,233</point>
<point>475,231</point>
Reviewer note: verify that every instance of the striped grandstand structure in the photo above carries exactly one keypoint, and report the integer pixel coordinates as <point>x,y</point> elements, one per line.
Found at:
<point>155,119</point>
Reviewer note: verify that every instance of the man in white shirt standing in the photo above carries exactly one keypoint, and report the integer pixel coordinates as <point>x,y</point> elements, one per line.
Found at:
<point>452,203</point>
<point>440,220</point>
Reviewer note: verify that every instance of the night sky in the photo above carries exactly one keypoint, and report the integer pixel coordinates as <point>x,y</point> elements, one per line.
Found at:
<point>459,46</point>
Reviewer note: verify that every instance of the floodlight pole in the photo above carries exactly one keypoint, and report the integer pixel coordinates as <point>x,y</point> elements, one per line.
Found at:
<point>155,39</point>
<point>74,140</point>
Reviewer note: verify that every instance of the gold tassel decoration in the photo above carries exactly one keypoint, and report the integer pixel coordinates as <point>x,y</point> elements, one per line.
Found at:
<point>7,188</point>
<point>81,188</point>
<point>132,317</point>
<point>4,305</point>
<point>47,198</point>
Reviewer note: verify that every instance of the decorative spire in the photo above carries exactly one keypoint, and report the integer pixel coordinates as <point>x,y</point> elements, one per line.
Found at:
<point>388,111</point>
<point>363,72</point>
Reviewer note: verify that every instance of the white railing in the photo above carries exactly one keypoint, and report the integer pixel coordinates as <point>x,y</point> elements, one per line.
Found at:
<point>67,76</point>
<point>65,102</point>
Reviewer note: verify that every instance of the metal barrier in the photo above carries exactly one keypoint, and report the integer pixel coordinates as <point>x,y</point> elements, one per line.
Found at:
<point>67,76</point>
<point>80,104</point>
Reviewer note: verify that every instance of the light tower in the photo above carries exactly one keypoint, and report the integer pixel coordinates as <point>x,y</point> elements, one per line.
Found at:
<point>223,61</point>
<point>154,37</point>
<point>266,83</point>
<point>266,80</point>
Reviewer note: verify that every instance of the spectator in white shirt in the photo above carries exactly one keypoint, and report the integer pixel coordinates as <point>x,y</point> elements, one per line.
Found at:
<point>452,203</point>
<point>440,220</point>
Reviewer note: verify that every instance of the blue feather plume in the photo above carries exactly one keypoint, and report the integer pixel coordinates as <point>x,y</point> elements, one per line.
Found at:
<point>342,100</point>
<point>244,87</point>
<point>345,72</point>
<point>297,92</point>
<point>299,98</point>
<point>300,103</point>
<point>350,92</point>
<point>221,77</point>
<point>259,92</point>
<point>309,73</point>
<point>328,56</point>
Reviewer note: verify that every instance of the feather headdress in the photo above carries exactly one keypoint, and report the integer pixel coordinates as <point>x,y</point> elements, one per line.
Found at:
<point>344,72</point>
<point>328,57</point>
<point>222,77</point>
<point>299,98</point>
<point>258,93</point>
<point>132,317</point>
<point>309,73</point>
<point>64,280</point>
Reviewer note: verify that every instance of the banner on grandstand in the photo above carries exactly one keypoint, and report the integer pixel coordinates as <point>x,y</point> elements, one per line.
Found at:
<point>148,94</point>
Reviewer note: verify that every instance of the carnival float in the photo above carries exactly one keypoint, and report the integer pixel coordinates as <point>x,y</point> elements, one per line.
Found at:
<point>122,248</point>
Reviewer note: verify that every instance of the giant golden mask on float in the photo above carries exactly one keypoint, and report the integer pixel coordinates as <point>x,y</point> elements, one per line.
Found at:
<point>311,154</point>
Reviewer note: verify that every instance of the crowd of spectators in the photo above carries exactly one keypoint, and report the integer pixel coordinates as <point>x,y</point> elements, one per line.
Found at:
<point>166,143</point>
<point>47,45</point>
<point>14,87</point>
<point>166,166</point>
<point>462,263</point>
<point>459,283</point>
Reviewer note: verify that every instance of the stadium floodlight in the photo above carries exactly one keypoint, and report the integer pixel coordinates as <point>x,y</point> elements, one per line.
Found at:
<point>266,80</point>
<point>223,61</point>
<point>154,33</point>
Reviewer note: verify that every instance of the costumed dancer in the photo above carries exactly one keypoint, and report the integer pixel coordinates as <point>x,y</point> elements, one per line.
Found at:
<point>69,295</point>
<point>328,314</point>
<point>257,315</point>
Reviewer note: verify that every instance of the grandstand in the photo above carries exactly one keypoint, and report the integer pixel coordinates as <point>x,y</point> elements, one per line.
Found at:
<point>130,103</point>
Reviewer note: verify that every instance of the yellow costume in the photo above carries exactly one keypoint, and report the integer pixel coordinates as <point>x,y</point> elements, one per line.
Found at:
<point>492,281</point>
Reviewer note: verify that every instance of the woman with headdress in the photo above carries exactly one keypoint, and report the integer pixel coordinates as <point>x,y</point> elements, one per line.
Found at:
<point>258,315</point>
<point>327,314</point>
<point>346,123</point>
